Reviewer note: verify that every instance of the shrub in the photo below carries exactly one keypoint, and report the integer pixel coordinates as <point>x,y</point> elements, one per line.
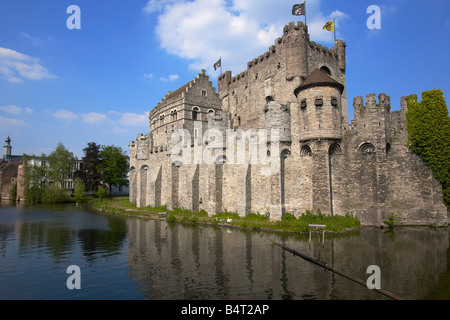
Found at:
<point>201,213</point>
<point>257,217</point>
<point>54,194</point>
<point>101,193</point>
<point>181,211</point>
<point>193,219</point>
<point>79,190</point>
<point>13,192</point>
<point>288,217</point>
<point>227,215</point>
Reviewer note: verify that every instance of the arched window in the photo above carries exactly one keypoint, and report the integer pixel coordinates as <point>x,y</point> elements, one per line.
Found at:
<point>367,148</point>
<point>334,149</point>
<point>326,70</point>
<point>285,153</point>
<point>388,149</point>
<point>195,112</point>
<point>306,151</point>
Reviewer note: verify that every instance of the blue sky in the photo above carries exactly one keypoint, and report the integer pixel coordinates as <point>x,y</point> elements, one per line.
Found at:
<point>98,83</point>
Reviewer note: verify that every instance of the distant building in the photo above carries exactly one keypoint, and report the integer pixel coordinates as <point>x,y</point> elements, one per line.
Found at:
<point>9,165</point>
<point>17,163</point>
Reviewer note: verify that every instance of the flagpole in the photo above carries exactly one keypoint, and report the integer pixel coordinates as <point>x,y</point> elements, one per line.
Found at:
<point>220,65</point>
<point>334,29</point>
<point>305,11</point>
<point>306,45</point>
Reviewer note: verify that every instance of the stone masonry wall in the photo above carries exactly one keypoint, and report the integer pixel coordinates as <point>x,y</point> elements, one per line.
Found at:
<point>320,161</point>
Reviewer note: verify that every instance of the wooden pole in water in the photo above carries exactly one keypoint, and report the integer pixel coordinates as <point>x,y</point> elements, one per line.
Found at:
<point>325,266</point>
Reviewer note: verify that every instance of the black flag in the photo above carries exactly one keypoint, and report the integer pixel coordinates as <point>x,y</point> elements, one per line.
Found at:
<point>298,9</point>
<point>218,64</point>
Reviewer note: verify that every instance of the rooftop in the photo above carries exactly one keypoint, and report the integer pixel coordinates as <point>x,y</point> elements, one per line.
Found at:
<point>318,78</point>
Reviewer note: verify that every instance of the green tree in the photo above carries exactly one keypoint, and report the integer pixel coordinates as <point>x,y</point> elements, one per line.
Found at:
<point>428,126</point>
<point>114,166</point>
<point>54,193</point>
<point>34,177</point>
<point>90,173</point>
<point>61,163</point>
<point>79,190</point>
<point>101,193</point>
<point>13,192</point>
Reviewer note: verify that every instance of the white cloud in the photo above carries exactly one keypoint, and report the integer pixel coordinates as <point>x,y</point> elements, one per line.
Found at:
<point>94,118</point>
<point>387,10</point>
<point>156,5</point>
<point>172,77</point>
<point>236,30</point>
<point>10,123</point>
<point>134,119</point>
<point>65,115</point>
<point>338,14</point>
<point>148,75</point>
<point>16,66</point>
<point>35,41</point>
<point>11,109</point>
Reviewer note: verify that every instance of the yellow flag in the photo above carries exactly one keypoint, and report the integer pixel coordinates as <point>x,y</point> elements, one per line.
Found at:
<point>329,26</point>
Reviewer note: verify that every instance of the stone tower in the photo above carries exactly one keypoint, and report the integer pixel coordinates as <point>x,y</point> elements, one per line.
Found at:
<point>320,126</point>
<point>7,149</point>
<point>319,98</point>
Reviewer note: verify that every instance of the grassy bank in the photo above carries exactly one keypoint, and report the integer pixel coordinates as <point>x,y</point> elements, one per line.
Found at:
<point>253,221</point>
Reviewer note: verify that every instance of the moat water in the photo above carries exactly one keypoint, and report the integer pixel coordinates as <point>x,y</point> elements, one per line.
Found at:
<point>133,258</point>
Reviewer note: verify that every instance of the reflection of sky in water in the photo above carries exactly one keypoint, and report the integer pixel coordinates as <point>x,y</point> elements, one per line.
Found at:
<point>131,258</point>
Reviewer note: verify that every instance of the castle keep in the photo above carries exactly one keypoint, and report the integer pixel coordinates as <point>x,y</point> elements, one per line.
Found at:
<point>276,138</point>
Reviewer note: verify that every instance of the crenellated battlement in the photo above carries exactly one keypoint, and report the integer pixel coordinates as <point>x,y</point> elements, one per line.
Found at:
<point>293,34</point>
<point>373,117</point>
<point>323,49</point>
<point>384,103</point>
<point>293,55</point>
<point>297,91</point>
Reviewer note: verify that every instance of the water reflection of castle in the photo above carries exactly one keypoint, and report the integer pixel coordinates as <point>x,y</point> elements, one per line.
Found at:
<point>178,262</point>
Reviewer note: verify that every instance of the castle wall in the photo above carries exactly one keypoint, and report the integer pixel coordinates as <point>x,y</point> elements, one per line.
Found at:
<point>381,175</point>
<point>277,73</point>
<point>368,173</point>
<point>320,161</point>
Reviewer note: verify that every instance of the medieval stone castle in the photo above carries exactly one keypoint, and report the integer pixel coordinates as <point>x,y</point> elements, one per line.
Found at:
<point>287,113</point>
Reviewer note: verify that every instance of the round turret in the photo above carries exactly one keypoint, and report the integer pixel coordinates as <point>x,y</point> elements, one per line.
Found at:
<point>319,98</point>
